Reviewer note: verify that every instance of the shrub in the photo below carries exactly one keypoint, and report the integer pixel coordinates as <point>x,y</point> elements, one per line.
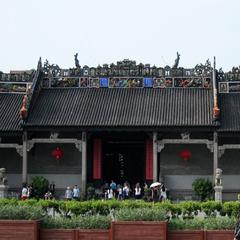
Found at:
<point>40,186</point>
<point>189,208</point>
<point>187,224</point>
<point>224,223</point>
<point>21,212</point>
<point>140,214</point>
<point>232,208</point>
<point>6,201</point>
<point>211,208</point>
<point>203,188</point>
<point>87,222</point>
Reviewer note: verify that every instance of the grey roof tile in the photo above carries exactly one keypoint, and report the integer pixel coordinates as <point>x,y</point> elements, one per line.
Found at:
<point>122,107</point>
<point>230,112</point>
<point>10,104</point>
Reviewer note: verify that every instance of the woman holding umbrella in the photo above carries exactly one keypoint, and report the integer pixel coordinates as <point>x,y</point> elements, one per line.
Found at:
<point>155,187</point>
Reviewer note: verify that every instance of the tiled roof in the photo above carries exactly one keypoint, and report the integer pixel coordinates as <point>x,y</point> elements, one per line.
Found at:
<point>10,104</point>
<point>230,112</point>
<point>122,107</point>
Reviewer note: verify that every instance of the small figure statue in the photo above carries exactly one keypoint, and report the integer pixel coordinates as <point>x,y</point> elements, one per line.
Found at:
<point>218,177</point>
<point>76,61</point>
<point>176,61</point>
<point>3,177</point>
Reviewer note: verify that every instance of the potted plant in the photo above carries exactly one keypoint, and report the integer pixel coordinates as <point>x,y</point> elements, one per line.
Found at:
<point>80,227</point>
<point>24,219</point>
<point>139,223</point>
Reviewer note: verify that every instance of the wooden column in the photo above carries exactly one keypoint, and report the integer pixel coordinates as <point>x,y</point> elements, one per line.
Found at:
<point>215,154</point>
<point>84,162</point>
<point>155,160</point>
<point>24,158</point>
<point>97,159</point>
<point>149,159</point>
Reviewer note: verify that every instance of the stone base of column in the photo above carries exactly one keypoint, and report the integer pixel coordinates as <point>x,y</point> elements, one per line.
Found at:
<point>3,191</point>
<point>218,193</point>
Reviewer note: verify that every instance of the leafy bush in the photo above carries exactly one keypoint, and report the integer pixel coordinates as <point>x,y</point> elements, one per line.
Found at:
<point>87,222</point>
<point>203,188</point>
<point>140,214</point>
<point>224,223</point>
<point>187,224</point>
<point>189,209</point>
<point>21,212</point>
<point>40,186</point>
<point>232,208</point>
<point>211,208</point>
<point>216,223</point>
<point>6,201</point>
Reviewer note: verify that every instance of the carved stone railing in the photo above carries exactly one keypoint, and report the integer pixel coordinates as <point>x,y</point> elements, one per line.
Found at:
<point>17,76</point>
<point>15,87</point>
<point>229,87</point>
<point>127,82</point>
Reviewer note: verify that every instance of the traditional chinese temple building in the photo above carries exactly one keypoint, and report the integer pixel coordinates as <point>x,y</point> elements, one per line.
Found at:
<point>125,121</point>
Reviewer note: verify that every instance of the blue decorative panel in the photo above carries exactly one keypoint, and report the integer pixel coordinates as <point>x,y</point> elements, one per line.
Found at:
<point>103,82</point>
<point>148,82</point>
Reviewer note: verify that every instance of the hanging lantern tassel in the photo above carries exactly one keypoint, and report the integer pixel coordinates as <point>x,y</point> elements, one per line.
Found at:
<point>57,153</point>
<point>185,155</point>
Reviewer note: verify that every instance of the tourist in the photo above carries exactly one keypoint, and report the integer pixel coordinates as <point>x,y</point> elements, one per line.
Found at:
<point>48,195</point>
<point>68,194</point>
<point>237,230</point>
<point>76,193</point>
<point>163,193</point>
<point>113,186</point>
<point>24,194</point>
<point>137,191</point>
<point>30,191</point>
<point>110,193</point>
<point>125,191</point>
<point>120,192</point>
<point>155,194</point>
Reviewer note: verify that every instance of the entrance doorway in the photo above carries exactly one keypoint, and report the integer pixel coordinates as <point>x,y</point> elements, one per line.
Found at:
<point>124,161</point>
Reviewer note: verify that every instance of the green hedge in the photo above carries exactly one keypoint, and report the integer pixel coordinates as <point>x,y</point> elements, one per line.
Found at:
<point>87,222</point>
<point>186,209</point>
<point>21,212</point>
<point>140,214</point>
<point>216,223</point>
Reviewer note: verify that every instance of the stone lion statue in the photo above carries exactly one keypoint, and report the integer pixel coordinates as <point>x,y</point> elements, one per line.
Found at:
<point>218,177</point>
<point>3,177</point>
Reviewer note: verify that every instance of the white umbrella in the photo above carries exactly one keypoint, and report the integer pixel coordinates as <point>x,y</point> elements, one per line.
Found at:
<point>155,184</point>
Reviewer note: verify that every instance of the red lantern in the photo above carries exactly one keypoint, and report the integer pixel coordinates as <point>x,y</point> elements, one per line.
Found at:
<point>185,155</point>
<point>57,153</point>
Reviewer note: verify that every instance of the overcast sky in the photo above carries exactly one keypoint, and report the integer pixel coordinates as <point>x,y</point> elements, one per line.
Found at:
<point>106,31</point>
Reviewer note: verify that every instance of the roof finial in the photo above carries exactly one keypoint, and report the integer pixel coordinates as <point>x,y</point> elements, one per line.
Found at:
<point>175,65</point>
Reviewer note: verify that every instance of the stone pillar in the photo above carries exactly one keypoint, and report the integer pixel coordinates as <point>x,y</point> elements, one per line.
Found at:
<point>3,191</point>
<point>24,158</point>
<point>218,193</point>
<point>84,162</point>
<point>155,152</point>
<point>215,154</point>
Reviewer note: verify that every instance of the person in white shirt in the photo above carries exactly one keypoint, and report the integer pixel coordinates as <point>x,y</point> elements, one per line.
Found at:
<point>137,191</point>
<point>68,193</point>
<point>24,194</point>
<point>76,193</point>
<point>125,191</point>
<point>110,193</point>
